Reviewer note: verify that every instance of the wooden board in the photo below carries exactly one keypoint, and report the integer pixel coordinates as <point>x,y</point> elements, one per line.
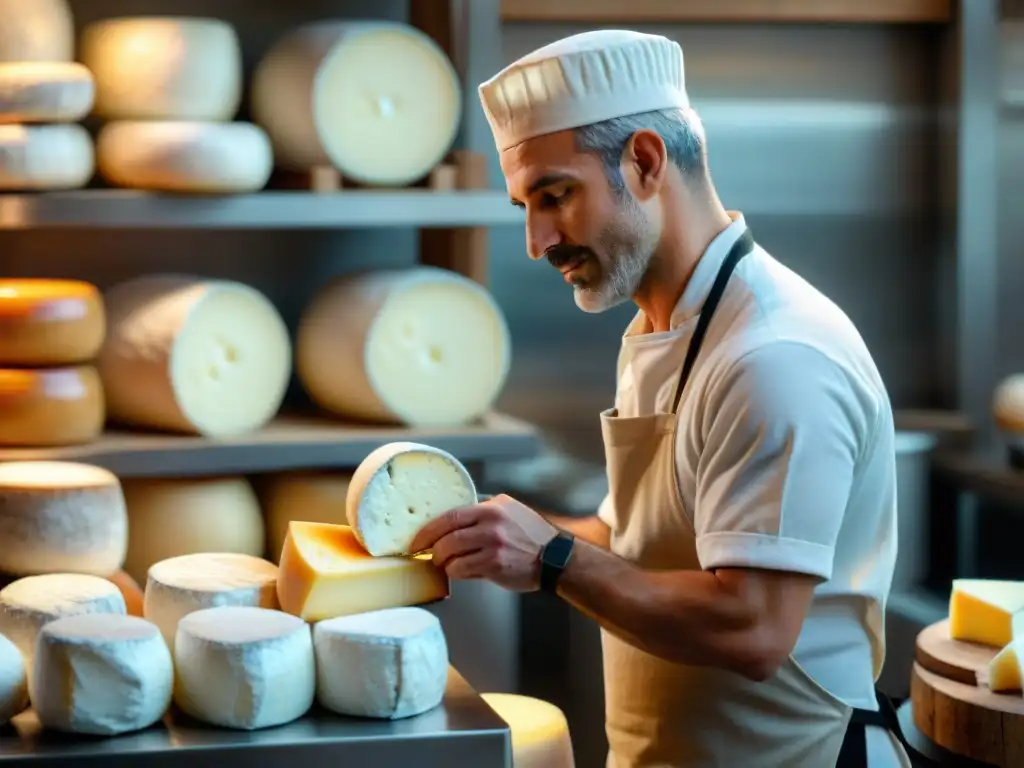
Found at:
<point>956,660</point>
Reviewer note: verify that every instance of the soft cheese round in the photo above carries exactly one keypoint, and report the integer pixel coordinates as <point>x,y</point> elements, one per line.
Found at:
<point>49,322</point>
<point>50,406</point>
<point>1008,404</point>
<point>45,157</point>
<point>101,674</point>
<point>36,30</point>
<point>313,497</point>
<point>244,668</point>
<point>540,733</point>
<point>13,681</point>
<point>45,92</point>
<point>60,516</point>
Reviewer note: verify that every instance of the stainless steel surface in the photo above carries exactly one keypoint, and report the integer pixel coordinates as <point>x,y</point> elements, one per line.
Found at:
<point>913,511</point>
<point>462,731</point>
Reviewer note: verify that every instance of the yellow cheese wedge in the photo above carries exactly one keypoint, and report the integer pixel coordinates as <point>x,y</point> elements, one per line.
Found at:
<point>1004,671</point>
<point>982,610</point>
<point>324,573</point>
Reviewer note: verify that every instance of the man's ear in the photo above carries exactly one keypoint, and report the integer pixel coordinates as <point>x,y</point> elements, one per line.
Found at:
<point>645,164</point>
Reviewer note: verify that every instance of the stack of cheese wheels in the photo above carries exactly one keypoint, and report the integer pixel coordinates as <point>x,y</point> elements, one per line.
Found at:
<point>43,95</point>
<point>316,497</point>
<point>380,102</point>
<point>170,88</point>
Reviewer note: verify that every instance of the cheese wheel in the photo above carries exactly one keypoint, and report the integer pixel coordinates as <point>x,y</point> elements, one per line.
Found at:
<point>130,591</point>
<point>184,354</point>
<point>164,68</point>
<point>101,674</point>
<point>49,322</point>
<point>315,497</point>
<point>244,668</point>
<point>210,158</point>
<point>424,346</point>
<point>1008,404</point>
<point>36,30</point>
<point>13,681</point>
<point>381,102</point>
<point>45,157</point>
<point>398,489</point>
<point>50,406</point>
<point>540,733</point>
<point>45,92</point>
<point>60,516</point>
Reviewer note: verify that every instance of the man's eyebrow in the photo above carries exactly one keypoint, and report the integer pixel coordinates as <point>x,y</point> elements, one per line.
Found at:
<point>546,180</point>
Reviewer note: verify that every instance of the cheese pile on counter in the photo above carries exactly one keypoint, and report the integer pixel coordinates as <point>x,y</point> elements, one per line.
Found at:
<point>991,612</point>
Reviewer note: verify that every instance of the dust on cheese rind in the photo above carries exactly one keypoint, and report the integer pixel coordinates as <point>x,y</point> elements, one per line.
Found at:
<point>13,681</point>
<point>45,407</point>
<point>36,30</point>
<point>45,92</point>
<point>399,488</point>
<point>325,573</point>
<point>191,355</point>
<point>982,610</point>
<point>187,157</point>
<point>381,102</point>
<point>101,674</point>
<point>540,732</point>
<point>164,68</point>
<point>182,585</point>
<point>45,157</point>
<point>315,497</point>
<point>49,322</point>
<point>60,516</point>
<point>168,517</point>
<point>423,347</point>
<point>244,667</point>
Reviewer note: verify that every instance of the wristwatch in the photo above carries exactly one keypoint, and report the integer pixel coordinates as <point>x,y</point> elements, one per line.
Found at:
<point>553,558</point>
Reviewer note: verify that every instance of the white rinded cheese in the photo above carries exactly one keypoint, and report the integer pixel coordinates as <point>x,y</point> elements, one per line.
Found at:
<point>36,30</point>
<point>399,488</point>
<point>13,681</point>
<point>50,406</point>
<point>60,516</point>
<point>151,68</point>
<point>172,517</point>
<point>313,497</point>
<point>385,664</point>
<point>1008,403</point>
<point>244,668</point>
<point>182,585</point>
<point>186,354</point>
<point>49,322</point>
<point>208,158</point>
<point>28,604</point>
<point>45,157</point>
<point>45,92</point>
<point>101,674</point>
<point>421,346</point>
<point>379,101</point>
<point>540,733</point>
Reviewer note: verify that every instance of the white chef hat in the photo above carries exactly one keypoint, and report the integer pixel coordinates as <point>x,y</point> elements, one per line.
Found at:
<point>583,79</point>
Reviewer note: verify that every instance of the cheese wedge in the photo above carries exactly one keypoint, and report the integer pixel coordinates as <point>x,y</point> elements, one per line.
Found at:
<point>982,610</point>
<point>1004,671</point>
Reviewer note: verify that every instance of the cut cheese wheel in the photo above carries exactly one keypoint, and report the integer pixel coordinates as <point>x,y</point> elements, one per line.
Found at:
<point>130,591</point>
<point>36,30</point>
<point>379,101</point>
<point>210,158</point>
<point>168,518</point>
<point>244,668</point>
<point>399,488</point>
<point>60,516</point>
<point>1008,404</point>
<point>49,322</point>
<point>207,357</point>
<point>383,664</point>
<point>540,732</point>
<point>45,92</point>
<point>422,346</point>
<point>325,573</point>
<point>45,157</point>
<point>983,611</point>
<point>314,497</point>
<point>1004,671</point>
<point>150,68</point>
<point>101,674</point>
<point>13,681</point>
<point>50,406</point>
<point>180,585</point>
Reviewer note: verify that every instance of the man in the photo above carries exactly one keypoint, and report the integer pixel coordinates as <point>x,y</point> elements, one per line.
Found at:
<point>740,565</point>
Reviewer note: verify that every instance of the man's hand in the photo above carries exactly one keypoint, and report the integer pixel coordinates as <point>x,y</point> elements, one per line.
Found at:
<point>499,540</point>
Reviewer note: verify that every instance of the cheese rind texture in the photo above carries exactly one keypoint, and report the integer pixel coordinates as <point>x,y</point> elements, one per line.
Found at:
<point>385,664</point>
<point>423,346</point>
<point>188,157</point>
<point>45,157</point>
<point>36,30</point>
<point>45,92</point>
<point>49,322</point>
<point>244,668</point>
<point>190,355</point>
<point>314,497</point>
<point>50,406</point>
<point>1008,404</point>
<point>379,101</point>
<point>540,733</point>
<point>60,516</point>
<point>398,489</point>
<point>101,674</point>
<point>13,681</point>
<point>164,68</point>
<point>325,573</point>
<point>983,610</point>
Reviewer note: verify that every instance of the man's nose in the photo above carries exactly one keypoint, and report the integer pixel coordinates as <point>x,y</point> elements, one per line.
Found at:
<point>541,235</point>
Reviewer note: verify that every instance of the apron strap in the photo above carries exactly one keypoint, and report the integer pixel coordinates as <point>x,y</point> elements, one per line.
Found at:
<point>854,752</point>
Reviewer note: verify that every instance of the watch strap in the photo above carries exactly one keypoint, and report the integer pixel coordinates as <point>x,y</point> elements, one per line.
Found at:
<point>554,557</point>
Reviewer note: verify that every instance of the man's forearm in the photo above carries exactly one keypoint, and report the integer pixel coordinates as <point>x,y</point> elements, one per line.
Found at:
<point>590,529</point>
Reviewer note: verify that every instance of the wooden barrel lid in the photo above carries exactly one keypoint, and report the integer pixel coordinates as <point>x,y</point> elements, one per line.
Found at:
<point>956,660</point>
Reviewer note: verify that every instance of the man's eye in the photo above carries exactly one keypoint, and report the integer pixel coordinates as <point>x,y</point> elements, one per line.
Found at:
<point>550,200</point>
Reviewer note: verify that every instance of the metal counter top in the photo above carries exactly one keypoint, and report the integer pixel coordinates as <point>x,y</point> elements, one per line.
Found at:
<point>462,731</point>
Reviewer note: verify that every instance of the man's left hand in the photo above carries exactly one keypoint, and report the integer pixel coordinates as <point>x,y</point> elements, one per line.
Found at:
<point>499,540</point>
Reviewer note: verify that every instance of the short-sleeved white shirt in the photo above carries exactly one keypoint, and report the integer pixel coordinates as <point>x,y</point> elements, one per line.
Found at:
<point>785,450</point>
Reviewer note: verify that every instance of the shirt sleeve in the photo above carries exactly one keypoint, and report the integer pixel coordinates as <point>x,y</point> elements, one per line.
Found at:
<point>785,426</point>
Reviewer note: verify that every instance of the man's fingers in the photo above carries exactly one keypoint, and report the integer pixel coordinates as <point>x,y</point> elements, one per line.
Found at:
<point>477,565</point>
<point>452,520</point>
<point>460,543</point>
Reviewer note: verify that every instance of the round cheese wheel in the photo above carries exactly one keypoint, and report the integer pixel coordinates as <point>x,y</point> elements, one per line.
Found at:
<point>381,102</point>
<point>186,354</point>
<point>45,157</point>
<point>164,68</point>
<point>130,591</point>
<point>36,30</point>
<point>13,681</point>
<point>210,158</point>
<point>310,497</point>
<point>49,322</point>
<point>60,516</point>
<point>50,406</point>
<point>540,733</point>
<point>45,92</point>
<point>1008,404</point>
<point>172,517</point>
<point>424,346</point>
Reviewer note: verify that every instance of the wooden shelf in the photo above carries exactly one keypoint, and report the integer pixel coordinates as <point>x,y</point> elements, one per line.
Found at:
<point>292,442</point>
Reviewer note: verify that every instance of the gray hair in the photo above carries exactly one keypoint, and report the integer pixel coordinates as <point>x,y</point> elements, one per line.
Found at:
<point>681,130</point>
